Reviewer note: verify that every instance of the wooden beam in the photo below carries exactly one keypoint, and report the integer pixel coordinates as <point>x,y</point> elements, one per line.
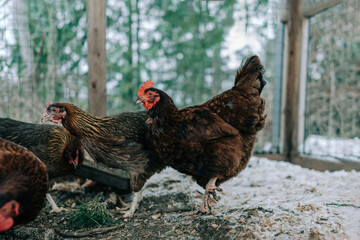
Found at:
<point>291,101</point>
<point>316,163</point>
<point>326,165</point>
<point>275,157</point>
<point>96,29</point>
<point>311,8</point>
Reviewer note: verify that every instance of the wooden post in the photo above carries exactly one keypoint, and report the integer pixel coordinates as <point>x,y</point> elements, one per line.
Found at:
<point>96,28</point>
<point>292,93</point>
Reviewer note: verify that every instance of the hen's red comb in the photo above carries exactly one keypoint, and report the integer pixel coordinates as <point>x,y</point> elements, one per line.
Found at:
<point>47,105</point>
<point>146,85</point>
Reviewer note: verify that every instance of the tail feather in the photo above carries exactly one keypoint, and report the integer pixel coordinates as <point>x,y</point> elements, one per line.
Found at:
<point>251,73</point>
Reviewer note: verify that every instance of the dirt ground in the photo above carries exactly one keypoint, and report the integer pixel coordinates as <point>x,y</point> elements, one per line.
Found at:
<point>268,200</point>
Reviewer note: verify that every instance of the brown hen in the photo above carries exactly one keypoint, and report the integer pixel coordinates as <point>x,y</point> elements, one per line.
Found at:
<point>117,141</point>
<point>23,185</point>
<point>212,142</point>
<point>53,145</point>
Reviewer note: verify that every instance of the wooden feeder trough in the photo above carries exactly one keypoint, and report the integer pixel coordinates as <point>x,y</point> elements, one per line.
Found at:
<point>100,173</point>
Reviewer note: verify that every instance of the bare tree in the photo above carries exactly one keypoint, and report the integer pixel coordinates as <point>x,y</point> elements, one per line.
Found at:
<point>21,21</point>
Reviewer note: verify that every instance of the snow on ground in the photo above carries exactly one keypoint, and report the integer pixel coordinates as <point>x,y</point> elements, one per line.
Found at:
<point>279,200</point>
<point>342,148</point>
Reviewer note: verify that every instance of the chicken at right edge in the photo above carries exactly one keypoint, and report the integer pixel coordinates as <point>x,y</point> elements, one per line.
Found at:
<point>213,141</point>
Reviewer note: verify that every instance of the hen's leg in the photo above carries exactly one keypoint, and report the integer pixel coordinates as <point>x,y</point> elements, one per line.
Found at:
<point>88,184</point>
<point>54,207</point>
<point>134,205</point>
<point>125,205</point>
<point>209,189</point>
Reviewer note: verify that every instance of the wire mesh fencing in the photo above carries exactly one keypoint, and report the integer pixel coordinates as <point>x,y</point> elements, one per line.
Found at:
<point>332,116</point>
<point>43,56</point>
<point>191,49</point>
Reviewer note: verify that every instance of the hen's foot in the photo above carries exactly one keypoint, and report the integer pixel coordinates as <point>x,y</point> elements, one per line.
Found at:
<point>133,206</point>
<point>213,193</point>
<point>210,189</point>
<point>54,207</point>
<point>89,184</point>
<point>205,210</point>
<point>58,210</point>
<point>126,206</point>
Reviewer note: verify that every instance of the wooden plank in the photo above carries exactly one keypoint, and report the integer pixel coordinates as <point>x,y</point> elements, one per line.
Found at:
<point>326,165</point>
<point>96,30</point>
<point>275,157</point>
<point>315,163</point>
<point>116,178</point>
<point>293,80</point>
<point>315,7</point>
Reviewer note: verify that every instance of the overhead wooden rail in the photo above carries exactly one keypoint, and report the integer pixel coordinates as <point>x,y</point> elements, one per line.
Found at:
<point>310,8</point>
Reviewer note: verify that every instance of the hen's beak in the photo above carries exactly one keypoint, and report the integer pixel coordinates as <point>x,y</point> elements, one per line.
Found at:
<point>140,100</point>
<point>45,118</point>
<point>16,207</point>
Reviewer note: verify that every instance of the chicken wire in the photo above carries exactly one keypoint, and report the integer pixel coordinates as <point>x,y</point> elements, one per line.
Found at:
<point>38,61</point>
<point>43,53</point>
<point>332,115</point>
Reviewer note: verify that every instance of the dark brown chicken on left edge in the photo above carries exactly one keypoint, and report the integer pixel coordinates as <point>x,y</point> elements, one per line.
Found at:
<point>23,185</point>
<point>117,141</point>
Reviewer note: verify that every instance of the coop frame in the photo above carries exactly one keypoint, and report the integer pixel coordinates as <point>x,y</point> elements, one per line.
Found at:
<point>290,87</point>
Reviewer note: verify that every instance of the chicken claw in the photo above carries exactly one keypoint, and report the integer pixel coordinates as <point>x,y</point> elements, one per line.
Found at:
<point>126,206</point>
<point>213,193</point>
<point>210,189</point>
<point>54,207</point>
<point>89,184</point>
<point>58,210</point>
<point>133,206</point>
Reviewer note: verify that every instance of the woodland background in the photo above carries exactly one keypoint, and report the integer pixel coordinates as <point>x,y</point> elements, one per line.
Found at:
<point>186,47</point>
